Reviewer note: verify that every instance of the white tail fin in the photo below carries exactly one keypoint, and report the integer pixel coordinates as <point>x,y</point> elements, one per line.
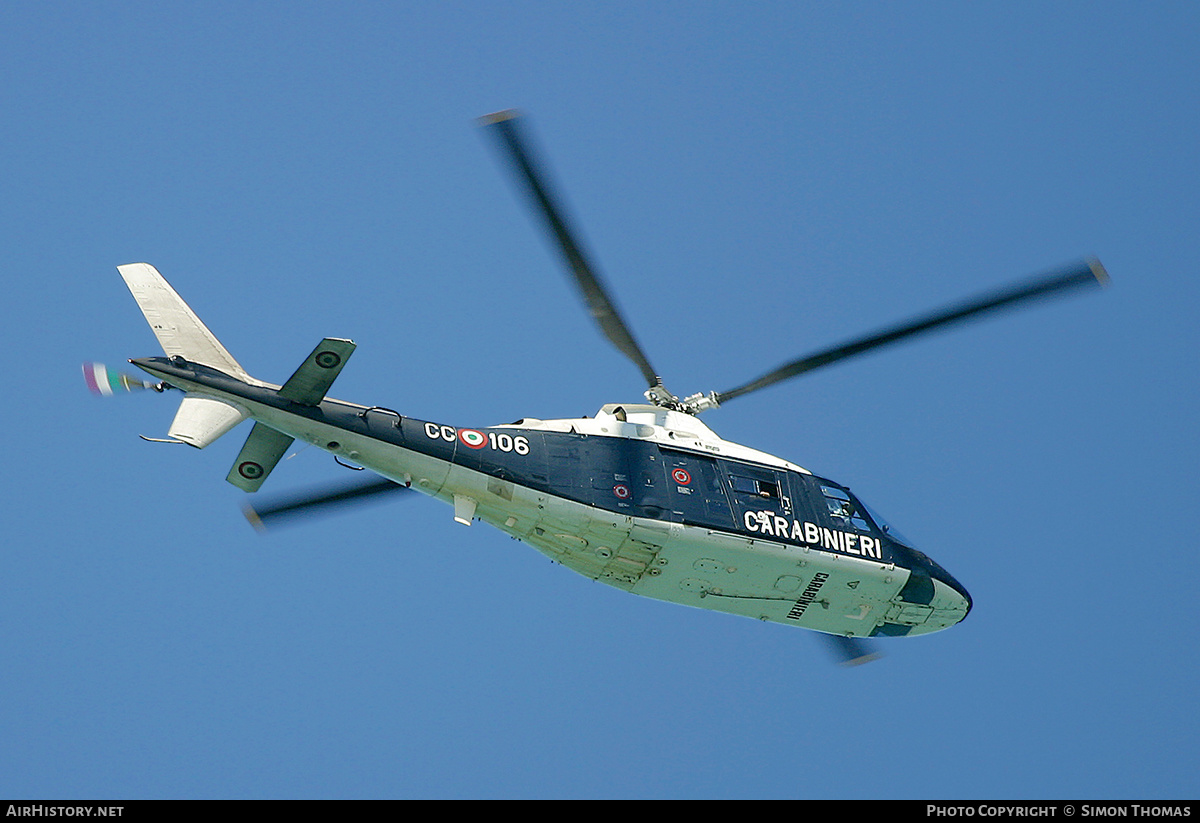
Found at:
<point>200,419</point>
<point>173,322</point>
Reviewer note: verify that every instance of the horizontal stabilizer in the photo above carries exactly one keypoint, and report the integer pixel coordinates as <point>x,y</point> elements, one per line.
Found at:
<point>178,329</point>
<point>316,374</point>
<point>262,452</point>
<point>201,420</point>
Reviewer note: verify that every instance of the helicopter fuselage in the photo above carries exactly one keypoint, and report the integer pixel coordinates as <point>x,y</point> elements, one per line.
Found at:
<point>640,497</point>
<point>645,498</point>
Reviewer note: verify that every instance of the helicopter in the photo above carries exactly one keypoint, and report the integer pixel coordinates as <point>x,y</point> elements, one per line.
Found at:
<point>641,496</point>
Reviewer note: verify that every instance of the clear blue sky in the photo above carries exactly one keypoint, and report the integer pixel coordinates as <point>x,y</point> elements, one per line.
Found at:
<point>756,181</point>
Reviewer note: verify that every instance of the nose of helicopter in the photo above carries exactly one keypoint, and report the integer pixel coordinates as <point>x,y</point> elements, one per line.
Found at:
<point>949,596</point>
<point>964,597</point>
<point>960,599</point>
<point>950,605</point>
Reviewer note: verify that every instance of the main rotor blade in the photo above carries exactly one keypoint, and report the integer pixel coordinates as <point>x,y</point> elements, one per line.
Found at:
<point>307,503</point>
<point>851,651</point>
<point>535,177</point>
<point>1088,273</point>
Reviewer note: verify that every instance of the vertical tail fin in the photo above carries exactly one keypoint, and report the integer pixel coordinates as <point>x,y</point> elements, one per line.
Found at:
<point>173,322</point>
<point>200,420</point>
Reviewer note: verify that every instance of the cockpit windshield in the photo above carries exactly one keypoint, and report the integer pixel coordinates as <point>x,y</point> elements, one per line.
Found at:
<point>887,527</point>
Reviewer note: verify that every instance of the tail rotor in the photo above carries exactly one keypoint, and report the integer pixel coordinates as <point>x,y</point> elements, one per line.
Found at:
<point>105,382</point>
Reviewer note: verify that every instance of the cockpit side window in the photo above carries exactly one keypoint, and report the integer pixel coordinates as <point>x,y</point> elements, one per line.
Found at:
<point>844,510</point>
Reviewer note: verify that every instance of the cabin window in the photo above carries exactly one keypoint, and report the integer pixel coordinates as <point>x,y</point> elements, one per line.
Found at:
<point>765,489</point>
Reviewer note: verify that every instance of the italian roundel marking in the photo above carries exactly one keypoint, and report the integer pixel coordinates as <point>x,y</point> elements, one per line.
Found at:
<point>328,359</point>
<point>621,491</point>
<point>681,477</point>
<point>250,470</point>
<point>472,438</point>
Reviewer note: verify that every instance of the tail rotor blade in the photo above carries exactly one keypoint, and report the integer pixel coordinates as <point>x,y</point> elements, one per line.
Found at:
<point>323,501</point>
